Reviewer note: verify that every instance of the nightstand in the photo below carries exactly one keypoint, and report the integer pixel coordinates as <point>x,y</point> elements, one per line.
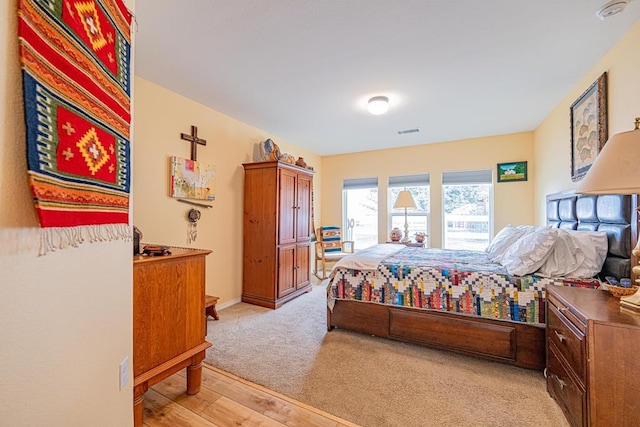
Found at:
<point>592,348</point>
<point>411,244</point>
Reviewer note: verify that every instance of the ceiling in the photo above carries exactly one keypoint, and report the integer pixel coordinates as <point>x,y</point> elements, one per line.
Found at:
<point>302,70</point>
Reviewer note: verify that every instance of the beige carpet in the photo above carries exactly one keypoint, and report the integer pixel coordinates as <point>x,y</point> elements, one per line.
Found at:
<point>372,381</point>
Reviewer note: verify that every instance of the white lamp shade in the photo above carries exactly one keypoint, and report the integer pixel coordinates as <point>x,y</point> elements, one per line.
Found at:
<point>378,105</point>
<point>616,169</point>
<point>404,200</point>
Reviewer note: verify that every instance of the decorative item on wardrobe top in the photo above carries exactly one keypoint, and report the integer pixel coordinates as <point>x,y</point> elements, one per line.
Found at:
<point>268,151</point>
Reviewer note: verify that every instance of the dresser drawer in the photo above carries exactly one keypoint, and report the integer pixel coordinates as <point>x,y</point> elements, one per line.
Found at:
<point>569,341</point>
<point>560,383</point>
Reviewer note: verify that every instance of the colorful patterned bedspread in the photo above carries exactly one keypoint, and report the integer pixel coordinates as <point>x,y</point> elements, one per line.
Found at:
<point>449,280</point>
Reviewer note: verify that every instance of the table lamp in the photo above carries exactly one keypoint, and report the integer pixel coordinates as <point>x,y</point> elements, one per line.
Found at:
<point>616,170</point>
<point>405,200</point>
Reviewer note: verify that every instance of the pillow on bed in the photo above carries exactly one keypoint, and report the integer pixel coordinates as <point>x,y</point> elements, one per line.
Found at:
<point>594,245</point>
<point>502,241</point>
<point>528,229</point>
<point>507,237</point>
<point>529,252</point>
<point>565,257</point>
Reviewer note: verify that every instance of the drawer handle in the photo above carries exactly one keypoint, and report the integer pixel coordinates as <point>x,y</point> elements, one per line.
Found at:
<point>561,309</point>
<point>560,336</point>
<point>545,373</point>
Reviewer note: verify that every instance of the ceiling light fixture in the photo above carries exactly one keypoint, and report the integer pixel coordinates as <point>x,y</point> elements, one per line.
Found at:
<point>378,105</point>
<point>610,8</point>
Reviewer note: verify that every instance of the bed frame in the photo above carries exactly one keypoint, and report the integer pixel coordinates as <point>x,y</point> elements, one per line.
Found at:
<point>513,343</point>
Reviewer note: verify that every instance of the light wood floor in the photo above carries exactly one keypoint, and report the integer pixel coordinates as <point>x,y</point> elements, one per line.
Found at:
<point>226,400</point>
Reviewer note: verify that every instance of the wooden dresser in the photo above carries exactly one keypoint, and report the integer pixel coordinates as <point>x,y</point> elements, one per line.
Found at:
<point>276,233</point>
<point>168,320</point>
<point>593,353</point>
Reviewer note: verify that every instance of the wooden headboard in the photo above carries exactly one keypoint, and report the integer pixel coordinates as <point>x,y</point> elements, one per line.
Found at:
<point>616,215</point>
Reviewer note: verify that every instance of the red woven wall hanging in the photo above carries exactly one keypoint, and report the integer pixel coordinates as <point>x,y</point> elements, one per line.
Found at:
<point>75,57</point>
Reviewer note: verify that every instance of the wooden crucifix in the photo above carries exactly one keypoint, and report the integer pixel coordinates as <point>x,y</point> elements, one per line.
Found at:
<point>193,138</point>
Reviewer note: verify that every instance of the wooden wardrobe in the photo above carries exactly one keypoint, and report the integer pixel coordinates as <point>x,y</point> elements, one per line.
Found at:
<point>277,233</point>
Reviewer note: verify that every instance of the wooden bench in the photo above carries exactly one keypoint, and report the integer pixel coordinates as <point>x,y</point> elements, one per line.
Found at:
<point>210,306</point>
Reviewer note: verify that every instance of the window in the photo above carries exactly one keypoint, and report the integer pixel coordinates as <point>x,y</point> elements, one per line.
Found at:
<point>360,201</point>
<point>417,219</point>
<point>467,204</point>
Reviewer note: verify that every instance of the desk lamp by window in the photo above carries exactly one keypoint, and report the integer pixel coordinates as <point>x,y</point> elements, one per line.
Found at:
<point>405,200</point>
<point>616,170</point>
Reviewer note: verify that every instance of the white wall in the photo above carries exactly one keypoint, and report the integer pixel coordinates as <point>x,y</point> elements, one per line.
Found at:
<point>66,317</point>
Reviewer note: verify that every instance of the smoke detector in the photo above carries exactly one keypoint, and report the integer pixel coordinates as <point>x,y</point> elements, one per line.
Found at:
<point>610,8</point>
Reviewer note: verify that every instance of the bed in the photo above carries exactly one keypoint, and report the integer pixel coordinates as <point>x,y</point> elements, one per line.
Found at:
<point>456,300</point>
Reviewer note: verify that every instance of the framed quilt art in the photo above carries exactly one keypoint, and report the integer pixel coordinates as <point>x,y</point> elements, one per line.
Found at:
<point>588,115</point>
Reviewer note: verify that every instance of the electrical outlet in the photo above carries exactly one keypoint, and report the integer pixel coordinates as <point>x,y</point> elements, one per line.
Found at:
<point>124,372</point>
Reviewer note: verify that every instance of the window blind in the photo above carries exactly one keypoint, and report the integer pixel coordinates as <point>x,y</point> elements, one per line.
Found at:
<point>468,177</point>
<point>409,180</point>
<point>352,184</point>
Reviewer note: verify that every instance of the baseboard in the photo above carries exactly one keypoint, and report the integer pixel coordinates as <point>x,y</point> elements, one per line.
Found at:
<point>228,303</point>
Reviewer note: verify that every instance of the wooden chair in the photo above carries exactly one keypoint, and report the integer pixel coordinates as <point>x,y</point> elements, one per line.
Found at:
<point>330,248</point>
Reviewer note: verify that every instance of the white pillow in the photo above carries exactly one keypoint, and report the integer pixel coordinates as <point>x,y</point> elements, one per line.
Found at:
<point>510,235</point>
<point>528,229</point>
<point>566,256</point>
<point>594,245</point>
<point>502,241</point>
<point>528,254</point>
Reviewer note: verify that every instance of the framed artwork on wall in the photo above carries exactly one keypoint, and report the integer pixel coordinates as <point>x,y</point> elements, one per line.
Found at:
<point>588,115</point>
<point>191,179</point>
<point>512,171</point>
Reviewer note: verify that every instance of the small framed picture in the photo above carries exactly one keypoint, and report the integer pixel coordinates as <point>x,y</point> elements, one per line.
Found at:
<point>588,127</point>
<point>511,172</point>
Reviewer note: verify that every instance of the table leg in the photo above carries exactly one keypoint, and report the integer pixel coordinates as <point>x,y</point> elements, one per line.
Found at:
<point>211,311</point>
<point>194,374</point>
<point>138,403</point>
<point>214,313</point>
